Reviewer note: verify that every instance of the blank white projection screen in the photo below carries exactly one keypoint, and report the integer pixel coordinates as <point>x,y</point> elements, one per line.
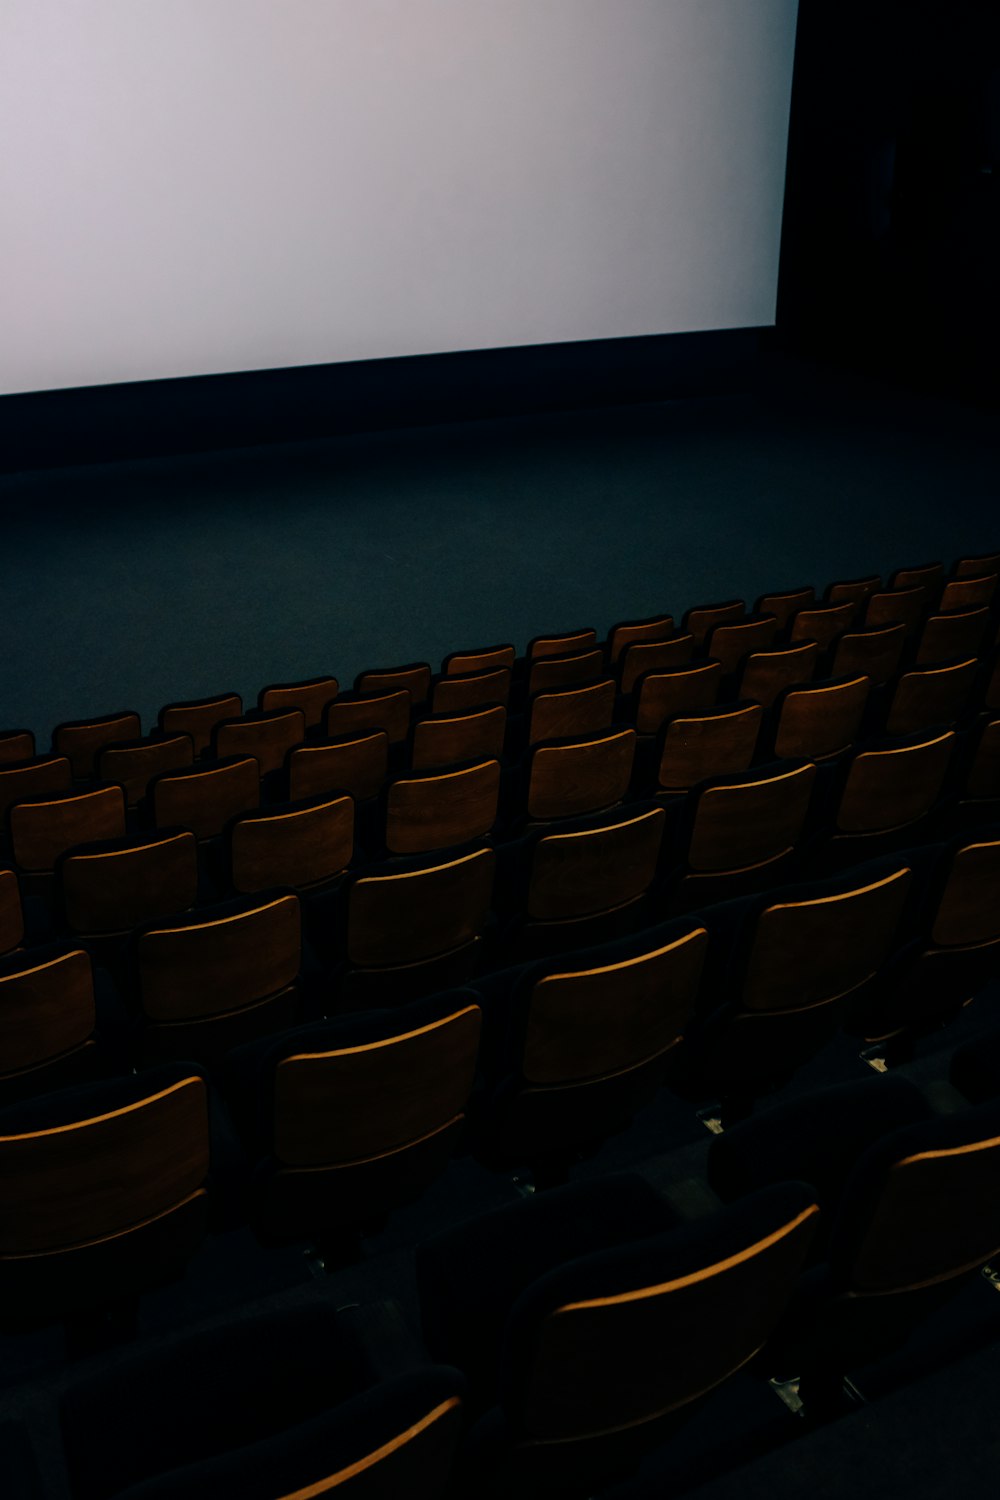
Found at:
<point>197,186</point>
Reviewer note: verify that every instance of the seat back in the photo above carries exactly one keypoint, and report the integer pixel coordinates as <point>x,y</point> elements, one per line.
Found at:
<point>568,711</point>
<point>875,651</point>
<point>580,776</point>
<point>903,606</point>
<point>928,576</point>
<point>807,952</point>
<point>46,1010</point>
<point>641,657</point>
<point>407,916</point>
<point>563,671</point>
<point>717,743</point>
<point>853,591</point>
<point>311,696</point>
<point>415,678</point>
<point>822,719</point>
<point>484,659</point>
<point>767,673</point>
<point>450,739</point>
<point>568,643</point>
<point>968,593</point>
<point>207,797</point>
<point>40,777</point>
<point>626,632</point>
<point>821,623</point>
<point>117,884</point>
<point>438,809</point>
<point>350,1104</point>
<point>585,1343</point>
<point>982,780</point>
<point>355,763</point>
<point>957,634</point>
<point>729,643</point>
<point>81,739</point>
<point>134,763</point>
<point>664,695</point>
<point>16,744</point>
<point>585,1024</point>
<point>209,964</point>
<point>300,844</point>
<point>267,735</point>
<point>455,694</point>
<point>199,717</point>
<point>930,695</point>
<point>987,562</point>
<point>742,824</point>
<point>701,619</point>
<point>595,869</point>
<point>352,712</point>
<point>43,829</point>
<point>785,604</point>
<point>11,914</point>
<point>887,789</point>
<point>969,908</point>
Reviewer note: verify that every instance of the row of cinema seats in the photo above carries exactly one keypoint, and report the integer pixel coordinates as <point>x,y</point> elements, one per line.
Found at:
<point>320,1130</point>
<point>565,1338</point>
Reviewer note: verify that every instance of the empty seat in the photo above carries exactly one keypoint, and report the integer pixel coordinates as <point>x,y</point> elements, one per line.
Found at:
<point>225,975</point>
<point>16,744</point>
<point>361,1114</point>
<point>968,593</point>
<point>897,607</point>
<point>641,657</point>
<point>853,591</point>
<point>312,696</point>
<point>662,695</point>
<point>591,1047</point>
<point>719,742</point>
<point>569,711</point>
<point>930,695</point>
<point>875,650</point>
<point>820,719</point>
<point>81,739</point>
<point>418,929</point>
<point>892,786</point>
<point>588,872</point>
<point>785,604</point>
<point>116,884</point>
<point>767,673</point>
<point>484,659</point>
<point>352,712</point>
<point>982,779</point>
<point>415,678</point>
<point>199,717</point>
<point>926,576</point>
<point>267,735</point>
<point>47,1022</point>
<point>626,632</point>
<point>822,623</point>
<point>987,562</point>
<point>205,798</point>
<point>457,693</point>
<point>741,824</point>
<point>11,914</point>
<point>959,633</point>
<point>570,777</point>
<point>584,1303</point>
<point>701,619</point>
<point>729,643</point>
<point>299,844</point>
<point>282,1402</point>
<point>439,809</point>
<point>356,763</point>
<point>450,739</point>
<point>21,780</point>
<point>102,1191</point>
<point>569,642</point>
<point>563,671</point>
<point>134,763</point>
<point>43,829</point>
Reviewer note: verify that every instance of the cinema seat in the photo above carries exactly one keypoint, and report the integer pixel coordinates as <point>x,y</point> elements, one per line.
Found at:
<point>112,886</point>
<point>898,606</point>
<point>980,791</point>
<point>44,828</point>
<point>626,632</point>
<point>664,694</point>
<point>583,774</point>
<point>214,979</point>
<point>587,1047</point>
<point>742,828</point>
<point>304,845</point>
<point>604,1349</point>
<point>450,739</point>
<point>547,672</point>
<point>730,641</point>
<point>355,763</point>
<point>785,603</point>
<point>267,735</point>
<point>81,739</point>
<point>432,810</point>
<point>274,1404</point>
<point>958,633</point>
<point>134,763</point>
<point>968,593</point>
<point>16,744</point>
<point>11,913</point>
<point>889,788</point>
<point>206,797</point>
<point>351,712</point>
<point>926,576</point>
<point>701,619</point>
<point>822,623</point>
<point>853,591</point>
<point>641,657</point>
<point>199,716</point>
<point>927,696</point>
<point>875,650</point>
<point>718,742</point>
<point>24,779</point>
<point>311,696</point>
<point>966,567</point>
<point>482,659</point>
<point>458,693</point>
<point>767,673</point>
<point>567,643</point>
<point>47,1022</point>
<point>416,928</point>
<point>350,1118</point>
<point>415,678</point>
<point>102,1192</point>
<point>819,720</point>
<point>571,711</point>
